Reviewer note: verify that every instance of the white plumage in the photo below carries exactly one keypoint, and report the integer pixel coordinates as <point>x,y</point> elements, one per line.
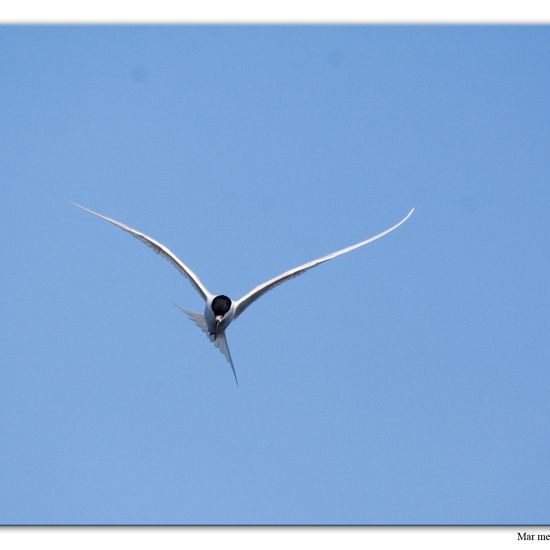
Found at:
<point>219,310</point>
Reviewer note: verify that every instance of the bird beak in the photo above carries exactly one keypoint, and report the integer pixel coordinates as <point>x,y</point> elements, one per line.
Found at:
<point>219,318</point>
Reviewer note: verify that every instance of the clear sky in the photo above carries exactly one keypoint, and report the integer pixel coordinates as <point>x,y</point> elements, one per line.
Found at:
<point>406,382</point>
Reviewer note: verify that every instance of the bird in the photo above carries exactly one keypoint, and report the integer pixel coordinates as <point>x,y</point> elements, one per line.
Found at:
<point>220,310</point>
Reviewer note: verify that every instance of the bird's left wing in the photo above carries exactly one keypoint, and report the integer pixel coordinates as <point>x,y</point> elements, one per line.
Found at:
<point>260,290</point>
<point>157,247</point>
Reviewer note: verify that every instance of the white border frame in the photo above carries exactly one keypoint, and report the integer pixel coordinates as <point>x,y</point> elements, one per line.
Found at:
<point>281,11</point>
<point>249,12</point>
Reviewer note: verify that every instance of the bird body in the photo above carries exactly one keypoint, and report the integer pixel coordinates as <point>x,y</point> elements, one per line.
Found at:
<point>219,310</point>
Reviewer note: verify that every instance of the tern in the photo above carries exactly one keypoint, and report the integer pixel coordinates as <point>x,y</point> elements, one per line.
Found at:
<point>219,310</point>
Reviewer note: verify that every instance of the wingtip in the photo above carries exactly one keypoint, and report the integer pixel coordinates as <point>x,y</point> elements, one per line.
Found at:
<point>76,204</point>
<point>64,199</point>
<point>404,219</point>
<point>73,203</point>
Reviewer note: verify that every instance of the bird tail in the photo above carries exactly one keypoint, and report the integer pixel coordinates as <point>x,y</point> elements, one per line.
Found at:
<point>220,341</point>
<point>197,318</point>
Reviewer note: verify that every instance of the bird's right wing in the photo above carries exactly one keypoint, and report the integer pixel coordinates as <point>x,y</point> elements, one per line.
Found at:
<point>159,249</point>
<point>260,290</point>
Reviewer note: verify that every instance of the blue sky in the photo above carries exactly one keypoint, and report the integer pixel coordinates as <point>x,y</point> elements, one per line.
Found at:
<point>406,382</point>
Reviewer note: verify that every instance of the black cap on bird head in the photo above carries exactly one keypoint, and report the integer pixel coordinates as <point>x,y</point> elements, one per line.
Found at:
<point>221,305</point>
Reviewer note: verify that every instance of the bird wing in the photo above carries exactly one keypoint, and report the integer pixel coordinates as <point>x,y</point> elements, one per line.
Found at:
<point>159,249</point>
<point>260,290</point>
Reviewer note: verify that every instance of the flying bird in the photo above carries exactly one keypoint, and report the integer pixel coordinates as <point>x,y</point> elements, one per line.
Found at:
<point>219,310</point>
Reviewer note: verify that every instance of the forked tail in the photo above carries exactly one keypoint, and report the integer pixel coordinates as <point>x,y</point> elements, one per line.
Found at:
<point>220,340</point>
<point>221,343</point>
